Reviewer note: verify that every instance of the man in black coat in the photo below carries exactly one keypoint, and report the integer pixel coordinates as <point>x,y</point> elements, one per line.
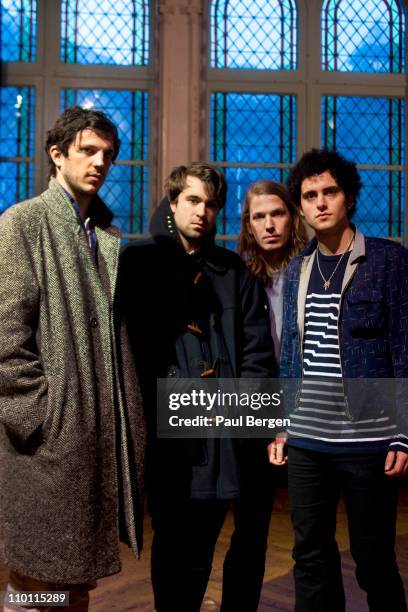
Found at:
<point>196,312</point>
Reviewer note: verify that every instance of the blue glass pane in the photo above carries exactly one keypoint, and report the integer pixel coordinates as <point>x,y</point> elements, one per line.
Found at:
<point>376,214</point>
<point>126,193</point>
<point>371,132</point>
<point>125,190</point>
<point>108,32</point>
<point>250,129</point>
<point>257,128</point>
<point>18,30</point>
<point>16,144</point>
<point>363,36</point>
<point>257,34</point>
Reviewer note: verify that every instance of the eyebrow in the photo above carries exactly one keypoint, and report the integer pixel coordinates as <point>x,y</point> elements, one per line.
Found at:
<point>260,213</point>
<point>325,189</point>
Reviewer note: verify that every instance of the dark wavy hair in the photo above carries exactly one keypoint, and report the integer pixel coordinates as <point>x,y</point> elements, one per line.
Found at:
<point>250,250</point>
<point>73,120</point>
<point>317,161</point>
<point>214,180</point>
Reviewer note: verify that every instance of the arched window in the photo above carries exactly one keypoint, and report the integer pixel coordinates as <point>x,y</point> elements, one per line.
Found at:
<point>109,32</point>
<point>252,128</point>
<point>368,37</point>
<point>100,60</point>
<point>259,34</point>
<point>363,36</point>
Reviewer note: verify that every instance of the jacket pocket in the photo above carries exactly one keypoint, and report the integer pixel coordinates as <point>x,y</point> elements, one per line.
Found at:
<point>366,316</point>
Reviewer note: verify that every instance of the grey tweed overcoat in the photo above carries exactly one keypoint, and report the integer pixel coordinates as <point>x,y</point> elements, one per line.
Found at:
<point>71,424</point>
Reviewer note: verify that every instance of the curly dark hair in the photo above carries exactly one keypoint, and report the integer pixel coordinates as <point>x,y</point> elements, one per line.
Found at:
<point>73,120</point>
<point>317,161</point>
<point>214,180</point>
<point>250,250</point>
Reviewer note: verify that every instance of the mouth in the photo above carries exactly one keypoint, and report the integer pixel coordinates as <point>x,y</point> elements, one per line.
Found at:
<point>323,216</point>
<point>95,177</point>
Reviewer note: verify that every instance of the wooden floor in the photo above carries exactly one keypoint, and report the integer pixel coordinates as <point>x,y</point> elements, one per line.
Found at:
<point>130,590</point>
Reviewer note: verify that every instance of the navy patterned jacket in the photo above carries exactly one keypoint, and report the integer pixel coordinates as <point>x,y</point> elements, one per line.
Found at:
<point>373,328</point>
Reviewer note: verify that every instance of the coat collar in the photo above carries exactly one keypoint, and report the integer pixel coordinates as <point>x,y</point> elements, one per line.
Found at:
<point>57,199</point>
<point>164,232</point>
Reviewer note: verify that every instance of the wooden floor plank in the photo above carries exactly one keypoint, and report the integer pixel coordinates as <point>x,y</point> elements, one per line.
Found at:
<point>131,590</point>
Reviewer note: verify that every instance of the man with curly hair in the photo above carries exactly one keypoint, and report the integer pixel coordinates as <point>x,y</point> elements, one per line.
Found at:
<point>345,327</point>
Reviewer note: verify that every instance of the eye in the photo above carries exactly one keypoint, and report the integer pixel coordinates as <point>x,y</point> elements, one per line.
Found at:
<point>332,191</point>
<point>310,195</point>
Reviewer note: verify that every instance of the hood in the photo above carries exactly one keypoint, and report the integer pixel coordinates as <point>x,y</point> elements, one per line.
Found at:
<point>162,224</point>
<point>164,231</point>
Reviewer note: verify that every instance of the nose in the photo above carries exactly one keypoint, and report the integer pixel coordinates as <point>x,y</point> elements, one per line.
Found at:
<point>321,201</point>
<point>269,222</point>
<point>99,159</point>
<point>200,209</point>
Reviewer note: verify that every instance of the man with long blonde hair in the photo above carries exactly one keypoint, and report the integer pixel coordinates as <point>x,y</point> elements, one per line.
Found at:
<point>271,234</point>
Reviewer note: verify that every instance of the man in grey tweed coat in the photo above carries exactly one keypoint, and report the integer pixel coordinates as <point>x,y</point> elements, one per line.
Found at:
<point>71,424</point>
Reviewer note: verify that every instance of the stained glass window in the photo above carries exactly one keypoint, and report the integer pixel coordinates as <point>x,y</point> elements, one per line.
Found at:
<point>108,32</point>
<point>16,144</point>
<point>363,36</point>
<point>257,34</point>
<point>252,136</point>
<point>18,30</point>
<point>370,131</point>
<point>126,189</point>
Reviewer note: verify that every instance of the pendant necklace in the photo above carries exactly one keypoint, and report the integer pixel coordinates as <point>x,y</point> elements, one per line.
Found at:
<point>326,281</point>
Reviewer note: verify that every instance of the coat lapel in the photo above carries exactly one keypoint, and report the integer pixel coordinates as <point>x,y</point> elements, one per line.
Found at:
<point>108,255</point>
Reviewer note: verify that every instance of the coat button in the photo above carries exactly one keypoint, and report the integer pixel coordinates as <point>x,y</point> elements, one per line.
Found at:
<point>93,322</point>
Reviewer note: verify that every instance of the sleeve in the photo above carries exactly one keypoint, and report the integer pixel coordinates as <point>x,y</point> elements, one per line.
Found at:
<point>258,356</point>
<point>23,385</point>
<point>287,338</point>
<point>397,301</point>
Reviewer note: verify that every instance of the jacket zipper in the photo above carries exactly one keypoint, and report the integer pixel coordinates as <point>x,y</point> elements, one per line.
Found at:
<point>346,404</point>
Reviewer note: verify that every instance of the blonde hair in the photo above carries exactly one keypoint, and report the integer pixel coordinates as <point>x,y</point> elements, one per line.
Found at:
<point>250,250</point>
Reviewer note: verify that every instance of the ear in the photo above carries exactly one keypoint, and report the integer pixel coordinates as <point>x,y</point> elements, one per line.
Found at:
<point>55,155</point>
<point>350,203</point>
<point>249,228</point>
<point>173,206</point>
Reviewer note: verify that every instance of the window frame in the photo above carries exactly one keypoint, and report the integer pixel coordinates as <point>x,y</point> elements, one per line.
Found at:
<point>308,82</point>
<point>49,75</point>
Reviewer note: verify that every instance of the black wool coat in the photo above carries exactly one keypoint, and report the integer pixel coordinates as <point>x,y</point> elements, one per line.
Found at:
<point>159,300</point>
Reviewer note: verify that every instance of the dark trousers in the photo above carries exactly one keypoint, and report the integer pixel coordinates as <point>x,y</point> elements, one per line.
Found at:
<point>316,481</point>
<point>185,534</point>
<point>244,564</point>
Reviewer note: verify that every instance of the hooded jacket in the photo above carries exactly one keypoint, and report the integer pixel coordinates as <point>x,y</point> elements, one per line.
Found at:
<point>161,297</point>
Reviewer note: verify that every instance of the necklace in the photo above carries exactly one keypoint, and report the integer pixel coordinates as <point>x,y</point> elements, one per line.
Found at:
<point>326,281</point>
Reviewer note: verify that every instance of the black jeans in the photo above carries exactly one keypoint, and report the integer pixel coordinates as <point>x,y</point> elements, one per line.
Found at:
<point>244,564</point>
<point>316,481</point>
<point>185,534</point>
